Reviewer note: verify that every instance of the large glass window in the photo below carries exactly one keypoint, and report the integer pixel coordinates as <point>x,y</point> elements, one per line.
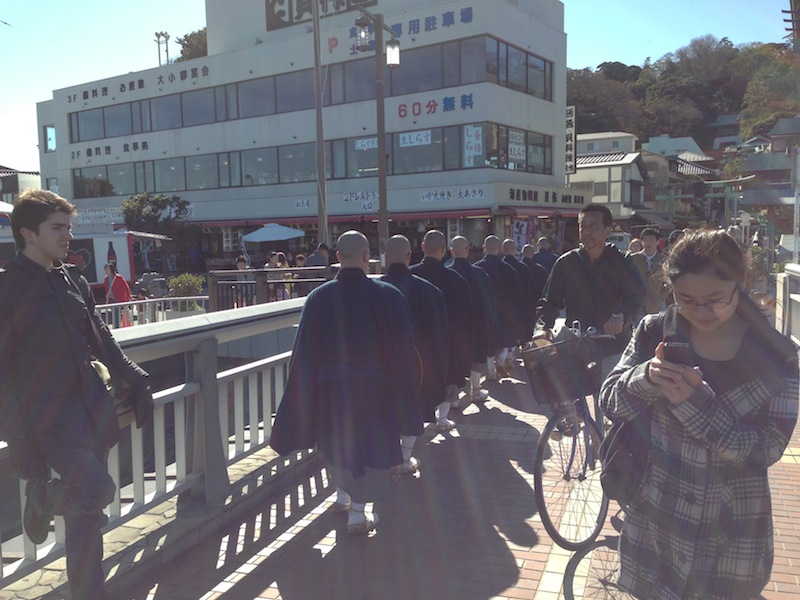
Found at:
<point>452,147</point>
<point>540,153</point>
<point>117,120</point>
<point>473,60</point>
<point>517,67</point>
<point>474,140</point>
<point>491,58</point>
<point>202,172</point>
<point>92,183</point>
<point>232,96</point>
<point>359,80</point>
<point>417,151</point>
<point>198,107</point>
<point>169,175</point>
<point>502,64</point>
<point>536,77</point>
<point>122,179</point>
<point>230,169</point>
<point>257,97</point>
<point>166,112</point>
<point>260,166</point>
<point>333,84</point>
<point>450,64</point>
<point>220,104</point>
<point>298,163</point>
<point>90,125</point>
<point>140,115</point>
<point>49,134</point>
<point>339,158</point>
<point>517,150</point>
<point>295,91</point>
<point>421,71</point>
<point>362,157</point>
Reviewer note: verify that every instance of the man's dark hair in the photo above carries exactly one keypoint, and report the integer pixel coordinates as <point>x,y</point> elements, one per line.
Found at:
<point>322,246</point>
<point>608,218</point>
<point>32,208</point>
<point>650,231</point>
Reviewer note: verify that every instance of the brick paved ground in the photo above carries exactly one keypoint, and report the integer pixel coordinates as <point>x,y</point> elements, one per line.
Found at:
<point>465,529</point>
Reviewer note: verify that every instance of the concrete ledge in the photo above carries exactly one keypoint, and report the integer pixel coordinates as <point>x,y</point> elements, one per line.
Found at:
<point>153,539</point>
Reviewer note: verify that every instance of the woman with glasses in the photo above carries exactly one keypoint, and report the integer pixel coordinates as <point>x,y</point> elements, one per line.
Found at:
<point>722,411</point>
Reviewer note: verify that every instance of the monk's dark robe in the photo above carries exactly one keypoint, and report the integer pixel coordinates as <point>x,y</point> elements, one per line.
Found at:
<point>503,279</point>
<point>528,298</point>
<point>484,305</point>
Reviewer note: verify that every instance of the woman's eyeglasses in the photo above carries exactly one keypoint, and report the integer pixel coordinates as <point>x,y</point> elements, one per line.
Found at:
<point>714,306</point>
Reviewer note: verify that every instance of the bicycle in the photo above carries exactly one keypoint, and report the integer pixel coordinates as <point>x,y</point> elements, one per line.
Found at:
<point>566,472</point>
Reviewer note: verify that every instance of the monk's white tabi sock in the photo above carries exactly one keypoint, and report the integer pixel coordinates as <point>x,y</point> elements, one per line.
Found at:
<point>442,411</point>
<point>407,446</point>
<point>474,380</point>
<point>356,513</point>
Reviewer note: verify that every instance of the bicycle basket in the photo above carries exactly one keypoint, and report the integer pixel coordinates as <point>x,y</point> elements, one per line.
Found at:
<point>559,371</point>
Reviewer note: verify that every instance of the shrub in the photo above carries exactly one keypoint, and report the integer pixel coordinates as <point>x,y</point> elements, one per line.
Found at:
<point>186,284</point>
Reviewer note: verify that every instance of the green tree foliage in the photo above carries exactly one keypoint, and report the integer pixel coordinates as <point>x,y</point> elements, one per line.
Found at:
<point>771,93</point>
<point>603,104</point>
<point>154,213</point>
<point>193,45</point>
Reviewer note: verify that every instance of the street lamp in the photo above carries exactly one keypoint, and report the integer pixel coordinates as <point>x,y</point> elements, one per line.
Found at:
<point>392,60</point>
<point>162,37</point>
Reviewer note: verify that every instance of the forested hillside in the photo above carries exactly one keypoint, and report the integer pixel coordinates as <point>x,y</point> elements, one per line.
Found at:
<point>684,91</point>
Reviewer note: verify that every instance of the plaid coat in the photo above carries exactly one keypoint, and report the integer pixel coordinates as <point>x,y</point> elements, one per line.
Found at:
<point>701,526</point>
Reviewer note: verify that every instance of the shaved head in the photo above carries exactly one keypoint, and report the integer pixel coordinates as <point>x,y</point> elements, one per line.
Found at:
<point>528,251</point>
<point>398,250</point>
<point>434,244</point>
<point>491,245</point>
<point>509,247</point>
<point>459,247</point>
<point>352,249</point>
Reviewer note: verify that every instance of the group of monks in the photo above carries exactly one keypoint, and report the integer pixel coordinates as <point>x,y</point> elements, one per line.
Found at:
<point>376,359</point>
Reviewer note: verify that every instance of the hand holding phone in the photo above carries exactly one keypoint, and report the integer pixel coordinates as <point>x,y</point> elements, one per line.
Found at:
<point>679,353</point>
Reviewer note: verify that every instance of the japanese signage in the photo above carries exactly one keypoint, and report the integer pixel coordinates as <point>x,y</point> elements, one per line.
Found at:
<point>368,201</point>
<point>516,145</point>
<point>543,196</point>
<point>430,107</point>
<point>285,13</point>
<point>570,141</point>
<point>415,138</point>
<point>473,144</point>
<point>429,196</point>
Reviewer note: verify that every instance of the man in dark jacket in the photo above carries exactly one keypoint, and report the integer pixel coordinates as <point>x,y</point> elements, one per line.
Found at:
<point>352,384</point>
<point>430,335</point>
<point>504,283</point>
<point>595,284</point>
<point>55,412</point>
<point>484,305</point>
<point>543,256</point>
<point>459,318</point>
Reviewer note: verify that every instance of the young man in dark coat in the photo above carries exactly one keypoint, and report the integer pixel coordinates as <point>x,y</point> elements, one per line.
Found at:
<point>504,283</point>
<point>485,306</point>
<point>459,319</point>
<point>352,384</point>
<point>430,335</point>
<point>55,411</point>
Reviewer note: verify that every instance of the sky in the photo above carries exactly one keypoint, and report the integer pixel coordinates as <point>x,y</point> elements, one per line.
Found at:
<point>52,44</point>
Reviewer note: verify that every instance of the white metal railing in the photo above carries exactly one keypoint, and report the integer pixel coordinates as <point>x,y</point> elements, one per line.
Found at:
<point>152,468</point>
<point>154,310</point>
<point>788,305</point>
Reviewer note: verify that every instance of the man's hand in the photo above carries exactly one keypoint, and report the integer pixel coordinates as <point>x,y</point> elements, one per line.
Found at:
<point>142,398</point>
<point>614,325</point>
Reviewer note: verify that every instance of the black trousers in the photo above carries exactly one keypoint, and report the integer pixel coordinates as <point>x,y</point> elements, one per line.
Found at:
<point>79,491</point>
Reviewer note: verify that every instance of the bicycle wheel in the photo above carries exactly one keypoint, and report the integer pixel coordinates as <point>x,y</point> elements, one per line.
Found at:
<point>568,493</point>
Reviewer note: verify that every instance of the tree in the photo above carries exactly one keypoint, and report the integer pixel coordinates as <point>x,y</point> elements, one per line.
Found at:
<point>771,92</point>
<point>603,104</point>
<point>193,45</point>
<point>154,213</point>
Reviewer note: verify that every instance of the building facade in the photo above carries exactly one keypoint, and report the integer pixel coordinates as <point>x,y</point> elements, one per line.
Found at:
<point>474,120</point>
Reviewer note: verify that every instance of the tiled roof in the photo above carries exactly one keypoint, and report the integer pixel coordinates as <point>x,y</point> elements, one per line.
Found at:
<point>6,172</point>
<point>603,135</point>
<point>726,119</point>
<point>606,158</point>
<point>786,126</point>
<point>692,168</point>
<point>766,161</point>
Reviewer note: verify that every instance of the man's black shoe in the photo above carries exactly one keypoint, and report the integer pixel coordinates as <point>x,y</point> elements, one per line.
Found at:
<point>34,519</point>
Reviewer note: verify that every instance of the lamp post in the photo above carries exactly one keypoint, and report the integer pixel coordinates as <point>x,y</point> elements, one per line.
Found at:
<point>392,61</point>
<point>162,35</point>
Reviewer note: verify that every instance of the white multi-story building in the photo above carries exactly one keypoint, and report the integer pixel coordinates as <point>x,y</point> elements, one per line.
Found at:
<point>474,116</point>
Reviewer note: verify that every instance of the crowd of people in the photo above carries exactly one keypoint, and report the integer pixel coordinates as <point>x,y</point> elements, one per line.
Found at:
<point>376,359</point>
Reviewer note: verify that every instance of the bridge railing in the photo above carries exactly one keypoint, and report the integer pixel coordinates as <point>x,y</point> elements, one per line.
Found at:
<point>154,310</point>
<point>209,418</point>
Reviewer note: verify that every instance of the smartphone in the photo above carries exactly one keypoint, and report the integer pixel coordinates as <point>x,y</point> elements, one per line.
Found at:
<point>679,353</point>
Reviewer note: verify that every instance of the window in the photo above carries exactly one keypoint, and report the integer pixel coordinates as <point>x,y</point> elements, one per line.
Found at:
<point>339,158</point>
<point>52,184</point>
<point>256,97</point>
<point>362,157</point>
<point>333,84</point>
<point>220,104</point>
<point>517,150</point>
<point>417,151</point>
<point>540,153</point>
<point>517,69</point>
<point>590,146</point>
<point>359,80</point>
<point>165,112</point>
<point>421,71</point>
<point>295,91</point>
<point>474,140</point>
<point>90,125</point>
<point>502,64</point>
<point>117,120</point>
<point>230,169</point>
<point>491,58</point>
<point>298,163</point>
<point>260,166</point>
<point>144,176</point>
<point>451,64</point>
<point>452,147</point>
<point>140,116</point>
<point>202,172</point>
<point>169,175</point>
<point>91,183</point>
<point>536,77</point>
<point>122,179</point>
<point>473,60</point>
<point>198,107</point>
<point>49,139</point>
<point>600,188</point>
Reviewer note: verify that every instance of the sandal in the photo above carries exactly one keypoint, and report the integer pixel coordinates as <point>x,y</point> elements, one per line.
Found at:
<point>363,527</point>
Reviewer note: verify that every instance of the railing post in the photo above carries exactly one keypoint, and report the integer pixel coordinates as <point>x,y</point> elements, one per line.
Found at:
<point>262,287</point>
<point>212,292</point>
<point>209,452</point>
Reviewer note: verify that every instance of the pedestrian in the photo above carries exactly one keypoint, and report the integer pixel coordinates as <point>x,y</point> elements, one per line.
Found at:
<point>117,289</point>
<point>503,280</point>
<point>529,296</point>
<point>351,389</point>
<point>543,255</point>
<point>429,313</point>
<point>320,258</point>
<point>64,420</point>
<point>485,310</point>
<point>596,285</point>
<point>650,266</point>
<point>701,523</point>
<point>634,246</point>
<point>538,271</point>
<point>460,319</point>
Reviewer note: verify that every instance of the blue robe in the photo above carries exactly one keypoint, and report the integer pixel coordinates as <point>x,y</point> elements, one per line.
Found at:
<point>502,277</point>
<point>459,315</point>
<point>351,389</point>
<point>527,299</point>
<point>430,333</point>
<point>484,304</point>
